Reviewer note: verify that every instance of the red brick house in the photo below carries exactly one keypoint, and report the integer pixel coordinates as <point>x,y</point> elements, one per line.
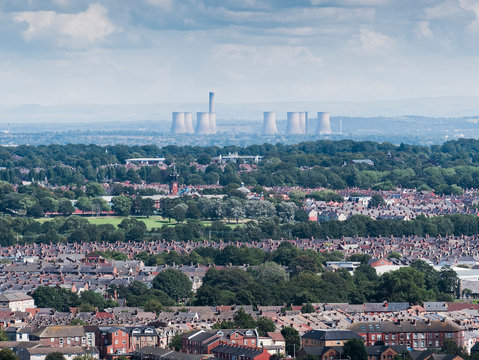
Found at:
<point>416,335</point>
<point>203,341</point>
<point>114,341</point>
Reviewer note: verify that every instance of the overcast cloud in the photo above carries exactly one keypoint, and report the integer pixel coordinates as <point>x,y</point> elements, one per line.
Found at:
<point>152,51</point>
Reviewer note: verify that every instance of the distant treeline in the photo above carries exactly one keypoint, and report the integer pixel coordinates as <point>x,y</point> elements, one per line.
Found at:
<point>445,168</point>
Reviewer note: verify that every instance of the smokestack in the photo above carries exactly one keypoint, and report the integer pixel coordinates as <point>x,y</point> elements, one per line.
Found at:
<point>188,123</point>
<point>324,125</point>
<point>202,123</point>
<point>212,113</point>
<point>303,116</point>
<point>178,123</point>
<point>293,126</point>
<point>269,123</point>
<point>212,100</point>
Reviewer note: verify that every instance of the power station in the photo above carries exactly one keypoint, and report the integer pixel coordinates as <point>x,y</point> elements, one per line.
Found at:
<point>182,122</point>
<point>296,122</point>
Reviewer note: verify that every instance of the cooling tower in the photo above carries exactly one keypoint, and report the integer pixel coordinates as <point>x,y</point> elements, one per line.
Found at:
<point>303,116</point>
<point>212,123</point>
<point>202,123</point>
<point>178,123</point>
<point>188,123</point>
<point>269,123</point>
<point>324,125</point>
<point>293,126</point>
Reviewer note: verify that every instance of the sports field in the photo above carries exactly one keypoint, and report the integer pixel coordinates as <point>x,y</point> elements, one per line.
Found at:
<point>151,222</point>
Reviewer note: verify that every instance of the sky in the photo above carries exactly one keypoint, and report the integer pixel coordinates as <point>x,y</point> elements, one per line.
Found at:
<point>249,51</point>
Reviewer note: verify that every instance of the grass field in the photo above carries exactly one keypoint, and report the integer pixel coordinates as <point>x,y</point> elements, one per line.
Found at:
<point>151,222</point>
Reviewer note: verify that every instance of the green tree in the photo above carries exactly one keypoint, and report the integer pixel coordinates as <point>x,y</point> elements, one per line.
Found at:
<point>3,335</point>
<point>84,204</point>
<point>243,320</point>
<point>265,325</point>
<point>58,298</point>
<point>92,298</point>
<point>55,356</point>
<point>94,189</point>
<point>451,348</point>
<point>292,339</point>
<point>121,205</point>
<point>178,212</point>
<point>174,283</point>
<point>175,342</point>
<point>65,207</point>
<point>354,349</point>
<point>78,322</point>
<point>99,205</point>
<point>7,354</point>
<point>376,201</point>
<point>308,308</point>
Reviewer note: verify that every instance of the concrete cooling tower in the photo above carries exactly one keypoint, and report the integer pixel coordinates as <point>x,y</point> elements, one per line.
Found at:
<point>202,123</point>
<point>303,121</point>
<point>189,123</point>
<point>269,123</point>
<point>324,125</point>
<point>293,125</point>
<point>212,122</point>
<point>178,123</point>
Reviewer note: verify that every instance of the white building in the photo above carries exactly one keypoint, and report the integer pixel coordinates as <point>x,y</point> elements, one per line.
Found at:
<point>16,301</point>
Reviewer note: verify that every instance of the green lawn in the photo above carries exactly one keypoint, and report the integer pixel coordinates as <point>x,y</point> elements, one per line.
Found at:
<point>151,222</point>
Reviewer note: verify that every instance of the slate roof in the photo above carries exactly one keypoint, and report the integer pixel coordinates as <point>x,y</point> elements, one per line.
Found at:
<point>379,349</point>
<point>59,331</point>
<point>237,351</point>
<point>405,326</point>
<point>330,335</point>
<point>16,296</point>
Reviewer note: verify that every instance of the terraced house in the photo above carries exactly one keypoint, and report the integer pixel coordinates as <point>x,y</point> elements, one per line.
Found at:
<point>415,335</point>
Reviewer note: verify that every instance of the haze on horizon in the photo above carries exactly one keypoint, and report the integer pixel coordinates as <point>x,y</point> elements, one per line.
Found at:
<point>250,51</point>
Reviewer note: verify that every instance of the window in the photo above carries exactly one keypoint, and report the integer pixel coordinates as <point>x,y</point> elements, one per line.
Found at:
<point>124,341</point>
<point>408,336</point>
<point>378,337</point>
<point>245,342</point>
<point>116,342</point>
<point>373,337</point>
<point>393,336</point>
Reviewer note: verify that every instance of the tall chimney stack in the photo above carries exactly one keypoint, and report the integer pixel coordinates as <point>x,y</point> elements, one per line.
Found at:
<point>212,99</point>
